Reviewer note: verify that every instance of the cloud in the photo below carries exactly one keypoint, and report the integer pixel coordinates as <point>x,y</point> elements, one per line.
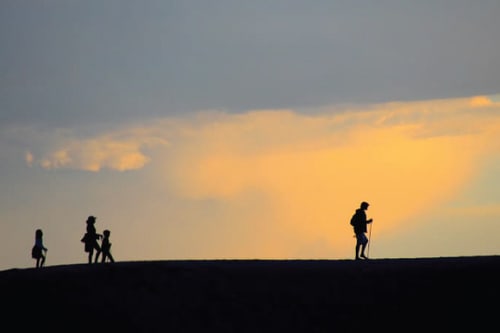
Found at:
<point>120,150</point>
<point>286,183</point>
<point>93,155</point>
<point>480,101</point>
<point>405,157</point>
<point>28,157</point>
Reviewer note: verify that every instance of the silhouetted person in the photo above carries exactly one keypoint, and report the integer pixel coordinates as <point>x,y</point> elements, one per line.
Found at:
<point>90,239</point>
<point>38,249</point>
<point>359,223</point>
<point>106,247</point>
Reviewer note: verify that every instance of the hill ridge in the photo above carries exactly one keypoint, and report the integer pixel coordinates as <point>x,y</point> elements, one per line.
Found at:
<point>255,295</point>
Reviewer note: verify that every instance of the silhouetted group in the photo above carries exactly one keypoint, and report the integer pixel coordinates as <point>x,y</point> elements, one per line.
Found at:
<point>91,239</point>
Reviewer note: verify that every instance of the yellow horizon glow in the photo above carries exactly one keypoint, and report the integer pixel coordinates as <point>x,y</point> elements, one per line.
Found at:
<point>286,183</point>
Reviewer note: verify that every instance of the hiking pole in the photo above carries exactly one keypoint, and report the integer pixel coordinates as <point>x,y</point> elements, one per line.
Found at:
<point>369,240</point>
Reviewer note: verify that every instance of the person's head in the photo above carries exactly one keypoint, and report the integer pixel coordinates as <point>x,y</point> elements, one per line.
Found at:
<point>91,219</point>
<point>38,233</point>
<point>364,205</point>
<point>106,233</point>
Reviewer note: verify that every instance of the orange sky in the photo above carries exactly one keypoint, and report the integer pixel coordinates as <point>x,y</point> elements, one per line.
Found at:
<point>273,183</point>
<point>312,171</point>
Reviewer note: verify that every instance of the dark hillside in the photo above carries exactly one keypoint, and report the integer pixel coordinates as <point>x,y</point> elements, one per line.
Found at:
<point>255,296</point>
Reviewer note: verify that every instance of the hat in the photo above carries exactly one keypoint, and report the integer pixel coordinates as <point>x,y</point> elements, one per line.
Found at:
<point>91,219</point>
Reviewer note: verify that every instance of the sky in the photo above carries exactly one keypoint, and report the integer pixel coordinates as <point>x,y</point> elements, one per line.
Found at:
<point>249,130</point>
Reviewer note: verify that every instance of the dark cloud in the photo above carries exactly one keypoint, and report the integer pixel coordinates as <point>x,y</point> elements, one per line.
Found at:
<point>66,63</point>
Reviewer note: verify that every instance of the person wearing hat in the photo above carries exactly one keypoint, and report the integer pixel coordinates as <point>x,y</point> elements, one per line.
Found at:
<point>90,239</point>
<point>359,223</point>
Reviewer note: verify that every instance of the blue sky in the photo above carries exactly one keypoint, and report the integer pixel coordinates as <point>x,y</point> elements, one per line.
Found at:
<point>121,109</point>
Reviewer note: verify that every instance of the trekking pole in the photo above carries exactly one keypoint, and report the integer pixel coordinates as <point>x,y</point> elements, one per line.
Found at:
<point>369,240</point>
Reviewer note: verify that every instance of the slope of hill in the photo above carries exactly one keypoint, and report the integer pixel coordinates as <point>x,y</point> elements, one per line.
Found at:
<point>255,295</point>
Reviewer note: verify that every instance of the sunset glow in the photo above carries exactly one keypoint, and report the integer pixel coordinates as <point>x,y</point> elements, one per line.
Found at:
<point>189,140</point>
<point>282,184</point>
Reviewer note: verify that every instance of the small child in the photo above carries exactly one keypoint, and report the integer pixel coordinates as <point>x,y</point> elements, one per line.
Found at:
<point>38,248</point>
<point>106,247</point>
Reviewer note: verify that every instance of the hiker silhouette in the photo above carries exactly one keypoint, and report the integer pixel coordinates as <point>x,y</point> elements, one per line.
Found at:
<point>90,239</point>
<point>359,222</point>
<point>106,247</point>
<point>38,249</point>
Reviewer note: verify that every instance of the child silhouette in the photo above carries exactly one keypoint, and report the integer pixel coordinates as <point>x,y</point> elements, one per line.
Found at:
<point>38,248</point>
<point>106,247</point>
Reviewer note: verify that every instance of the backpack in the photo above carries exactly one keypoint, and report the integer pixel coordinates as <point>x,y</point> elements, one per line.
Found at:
<point>354,219</point>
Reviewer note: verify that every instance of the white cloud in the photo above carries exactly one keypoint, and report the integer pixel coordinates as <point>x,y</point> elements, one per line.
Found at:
<point>120,150</point>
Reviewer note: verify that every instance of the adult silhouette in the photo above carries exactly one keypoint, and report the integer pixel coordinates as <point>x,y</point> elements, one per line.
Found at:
<point>90,239</point>
<point>38,249</point>
<point>359,222</point>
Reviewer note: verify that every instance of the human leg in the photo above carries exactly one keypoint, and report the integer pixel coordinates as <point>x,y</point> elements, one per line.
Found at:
<point>91,254</point>
<point>97,254</point>
<point>363,247</point>
<point>97,248</point>
<point>359,242</point>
